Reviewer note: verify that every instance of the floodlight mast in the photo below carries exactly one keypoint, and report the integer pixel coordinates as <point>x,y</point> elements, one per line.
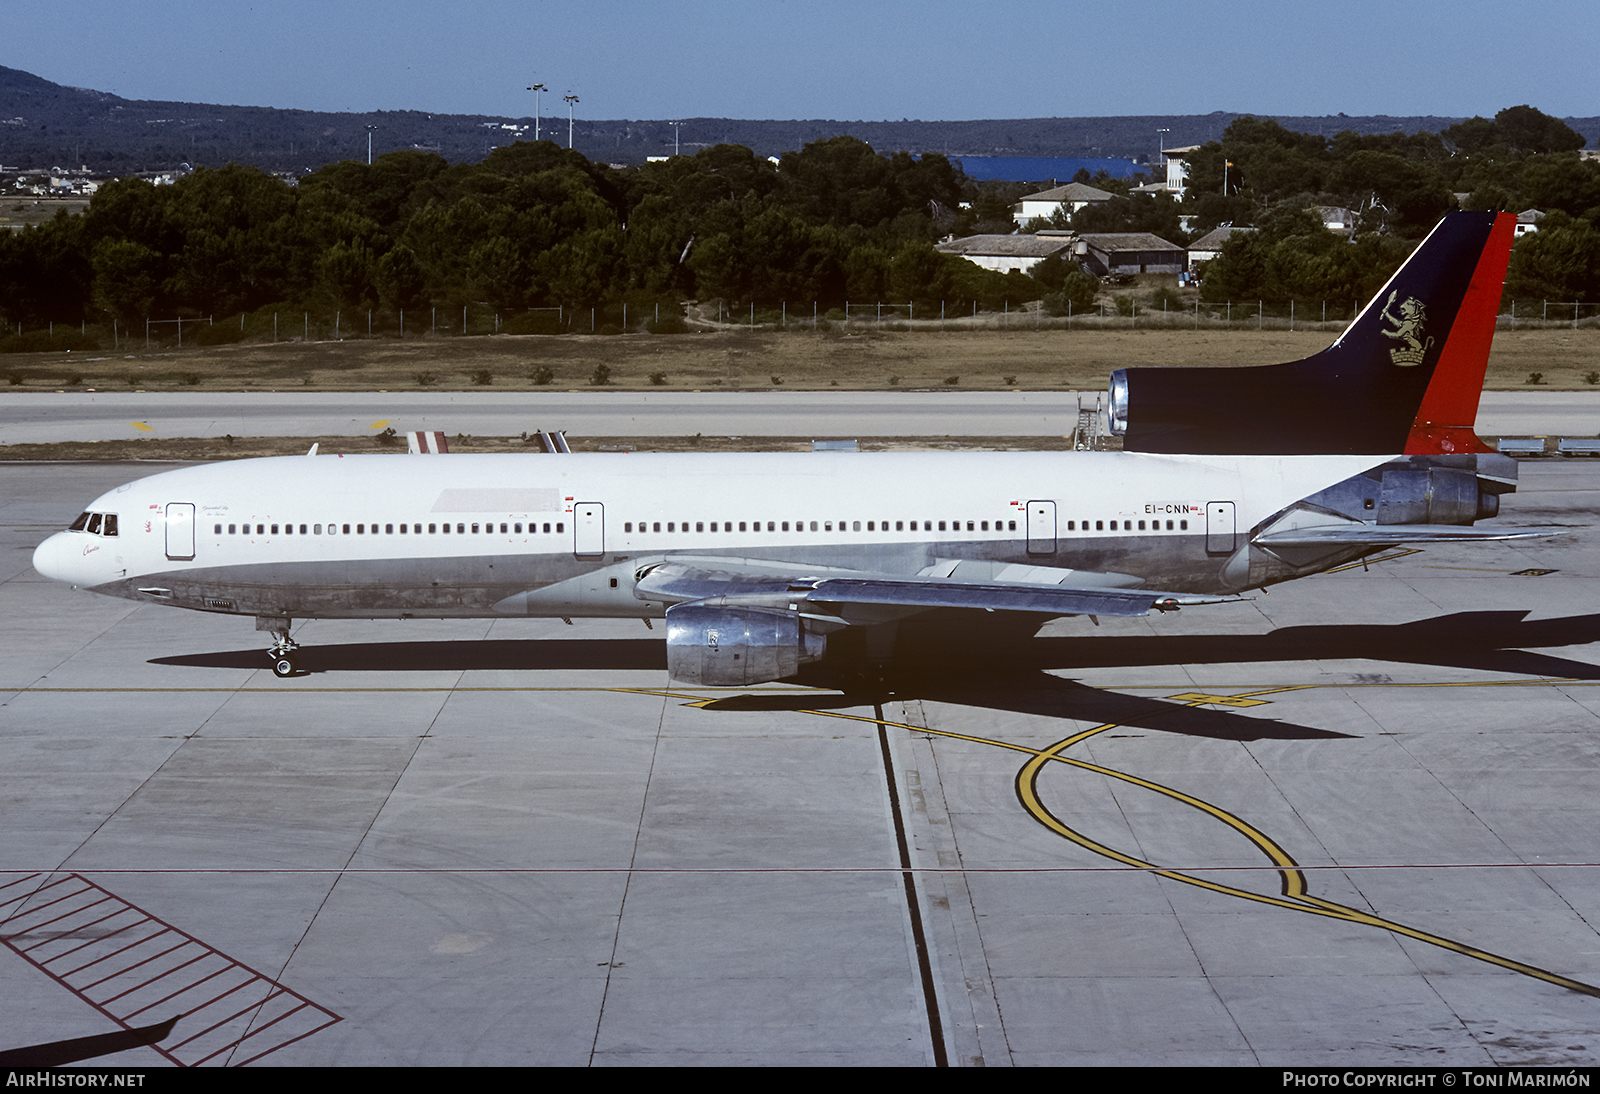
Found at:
<point>676,126</point>
<point>571,98</point>
<point>370,128</point>
<point>536,88</point>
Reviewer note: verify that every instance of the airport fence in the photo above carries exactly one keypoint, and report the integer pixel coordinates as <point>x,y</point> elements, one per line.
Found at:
<point>1121,312</point>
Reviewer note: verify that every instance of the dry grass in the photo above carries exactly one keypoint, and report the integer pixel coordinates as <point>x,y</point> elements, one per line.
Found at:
<point>978,359</point>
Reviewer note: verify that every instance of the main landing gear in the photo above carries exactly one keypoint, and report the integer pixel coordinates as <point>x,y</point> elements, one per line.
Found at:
<point>284,651</point>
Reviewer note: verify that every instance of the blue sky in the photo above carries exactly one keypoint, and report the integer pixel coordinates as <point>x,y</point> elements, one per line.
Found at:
<point>933,59</point>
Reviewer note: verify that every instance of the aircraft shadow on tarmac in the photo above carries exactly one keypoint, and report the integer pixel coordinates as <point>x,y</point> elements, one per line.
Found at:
<point>1011,673</point>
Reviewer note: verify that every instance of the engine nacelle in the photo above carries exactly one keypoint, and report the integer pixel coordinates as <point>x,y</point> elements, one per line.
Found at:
<point>1433,495</point>
<point>730,646</point>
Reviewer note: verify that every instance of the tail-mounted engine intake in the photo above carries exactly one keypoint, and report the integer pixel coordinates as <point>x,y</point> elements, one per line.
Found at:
<point>734,646</point>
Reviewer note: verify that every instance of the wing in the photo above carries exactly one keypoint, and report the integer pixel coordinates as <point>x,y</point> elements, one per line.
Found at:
<point>860,597</point>
<point>1385,535</point>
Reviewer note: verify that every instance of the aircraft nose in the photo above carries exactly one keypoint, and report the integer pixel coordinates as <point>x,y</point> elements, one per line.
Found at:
<point>61,558</point>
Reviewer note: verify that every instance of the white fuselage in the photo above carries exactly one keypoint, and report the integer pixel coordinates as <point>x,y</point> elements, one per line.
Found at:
<point>563,535</point>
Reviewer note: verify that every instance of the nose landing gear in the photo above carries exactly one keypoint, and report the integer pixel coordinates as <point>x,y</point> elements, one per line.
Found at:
<point>284,651</point>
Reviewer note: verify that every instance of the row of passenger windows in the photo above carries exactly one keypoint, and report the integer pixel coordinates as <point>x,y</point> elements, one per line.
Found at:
<point>1127,526</point>
<point>899,526</point>
<point>99,524</point>
<point>487,529</point>
<point>822,526</point>
<point>92,522</point>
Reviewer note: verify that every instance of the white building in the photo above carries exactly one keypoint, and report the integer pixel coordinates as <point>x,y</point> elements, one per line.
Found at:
<point>1047,203</point>
<point>1528,221</point>
<point>1007,253</point>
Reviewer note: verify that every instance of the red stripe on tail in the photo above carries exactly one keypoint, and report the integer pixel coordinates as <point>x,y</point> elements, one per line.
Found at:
<point>1444,421</point>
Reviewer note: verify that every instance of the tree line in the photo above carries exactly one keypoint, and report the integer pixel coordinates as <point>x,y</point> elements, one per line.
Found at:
<point>531,226</point>
<point>537,226</point>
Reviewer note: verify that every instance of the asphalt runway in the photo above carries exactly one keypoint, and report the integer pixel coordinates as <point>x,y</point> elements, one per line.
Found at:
<point>1351,822</point>
<point>43,417</point>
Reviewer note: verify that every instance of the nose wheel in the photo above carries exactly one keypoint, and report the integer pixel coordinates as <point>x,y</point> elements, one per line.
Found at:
<point>285,655</point>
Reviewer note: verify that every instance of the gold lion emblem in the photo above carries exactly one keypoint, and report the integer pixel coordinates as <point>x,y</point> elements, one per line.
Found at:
<point>1408,331</point>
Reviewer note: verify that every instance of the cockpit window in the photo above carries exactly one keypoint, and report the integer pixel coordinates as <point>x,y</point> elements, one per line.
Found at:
<point>96,524</point>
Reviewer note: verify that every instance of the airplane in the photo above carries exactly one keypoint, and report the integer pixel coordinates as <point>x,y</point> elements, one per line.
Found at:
<point>1229,480</point>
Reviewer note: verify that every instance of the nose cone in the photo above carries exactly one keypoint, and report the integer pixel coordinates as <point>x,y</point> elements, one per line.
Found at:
<point>66,557</point>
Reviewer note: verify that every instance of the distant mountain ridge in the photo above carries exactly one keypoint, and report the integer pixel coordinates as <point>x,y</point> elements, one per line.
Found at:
<point>45,124</point>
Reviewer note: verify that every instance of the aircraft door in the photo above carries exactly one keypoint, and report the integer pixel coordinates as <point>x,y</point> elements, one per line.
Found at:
<point>588,528</point>
<point>180,531</point>
<point>1220,527</point>
<point>1041,527</point>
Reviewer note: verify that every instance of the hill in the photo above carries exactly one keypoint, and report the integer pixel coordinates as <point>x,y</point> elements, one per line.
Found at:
<point>45,124</point>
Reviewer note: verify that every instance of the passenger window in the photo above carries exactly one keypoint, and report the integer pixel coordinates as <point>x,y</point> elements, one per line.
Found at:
<point>699,526</point>
<point>785,526</point>
<point>986,525</point>
<point>217,529</point>
<point>827,526</point>
<point>741,526</point>
<point>941,526</point>
<point>856,526</point>
<point>1011,526</point>
<point>1183,526</point>
<point>770,526</point>
<point>361,529</point>
<point>1141,526</point>
<point>347,529</point>
<point>813,526</point>
<point>656,527</point>
<point>233,529</point>
<point>927,526</point>
<point>559,527</point>
<point>1099,526</point>
<point>316,529</point>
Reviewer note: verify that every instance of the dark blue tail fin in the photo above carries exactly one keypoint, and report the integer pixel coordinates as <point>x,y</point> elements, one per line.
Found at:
<point>1404,377</point>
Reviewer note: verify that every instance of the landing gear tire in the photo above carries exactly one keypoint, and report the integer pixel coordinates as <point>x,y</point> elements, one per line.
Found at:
<point>284,666</point>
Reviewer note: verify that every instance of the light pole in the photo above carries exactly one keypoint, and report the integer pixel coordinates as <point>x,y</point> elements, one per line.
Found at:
<point>571,98</point>
<point>1161,140</point>
<point>676,127</point>
<point>370,128</point>
<point>536,88</point>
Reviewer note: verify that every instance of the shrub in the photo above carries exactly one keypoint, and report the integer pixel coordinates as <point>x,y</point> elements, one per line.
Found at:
<point>952,381</point>
<point>481,376</point>
<point>74,380</point>
<point>667,324</point>
<point>658,378</point>
<point>426,379</point>
<point>541,375</point>
<point>776,380</point>
<point>388,438</point>
<point>600,377</point>
<point>1591,377</point>
<point>535,322</point>
<point>218,335</point>
<point>188,379</point>
<point>1534,378</point>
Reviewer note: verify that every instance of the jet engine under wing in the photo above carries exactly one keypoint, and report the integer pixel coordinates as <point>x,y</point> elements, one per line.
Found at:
<point>860,597</point>
<point>1384,535</point>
